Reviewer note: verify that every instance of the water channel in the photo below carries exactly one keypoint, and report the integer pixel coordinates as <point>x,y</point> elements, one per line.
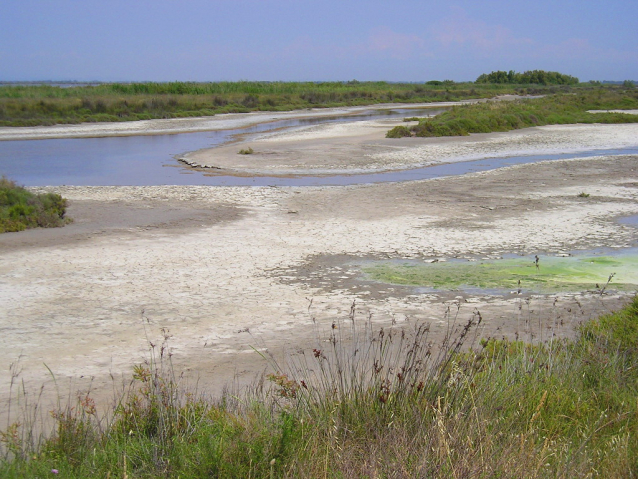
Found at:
<point>151,160</point>
<point>145,160</point>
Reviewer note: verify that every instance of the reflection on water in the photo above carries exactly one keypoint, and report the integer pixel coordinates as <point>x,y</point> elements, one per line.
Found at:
<point>140,160</point>
<point>150,160</point>
<point>428,172</point>
<point>629,220</point>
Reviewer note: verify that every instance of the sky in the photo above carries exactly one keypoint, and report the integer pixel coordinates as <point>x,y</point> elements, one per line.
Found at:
<point>314,40</point>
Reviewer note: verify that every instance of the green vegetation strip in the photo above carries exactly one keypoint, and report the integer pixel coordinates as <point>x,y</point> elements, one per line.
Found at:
<point>48,105</point>
<point>554,109</point>
<point>553,274</point>
<point>21,209</point>
<point>388,405</point>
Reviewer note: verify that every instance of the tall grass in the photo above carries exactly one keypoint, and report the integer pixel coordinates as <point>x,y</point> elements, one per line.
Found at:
<point>48,105</point>
<point>371,403</point>
<point>505,116</point>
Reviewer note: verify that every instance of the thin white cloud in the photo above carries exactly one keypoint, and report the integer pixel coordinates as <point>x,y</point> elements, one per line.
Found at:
<point>582,49</point>
<point>382,42</point>
<point>396,45</point>
<point>461,30</point>
<point>459,35</point>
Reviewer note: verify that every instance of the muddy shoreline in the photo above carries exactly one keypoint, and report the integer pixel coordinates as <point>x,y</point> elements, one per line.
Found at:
<point>192,124</point>
<point>231,270</point>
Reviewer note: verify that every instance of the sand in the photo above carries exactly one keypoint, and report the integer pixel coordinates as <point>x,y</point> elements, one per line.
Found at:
<point>228,271</point>
<point>362,147</point>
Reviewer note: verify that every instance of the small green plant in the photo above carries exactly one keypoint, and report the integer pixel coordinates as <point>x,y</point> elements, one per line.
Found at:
<point>248,151</point>
<point>398,132</point>
<point>582,194</point>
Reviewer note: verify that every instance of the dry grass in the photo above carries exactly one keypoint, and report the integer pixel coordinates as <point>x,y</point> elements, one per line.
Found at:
<point>369,403</point>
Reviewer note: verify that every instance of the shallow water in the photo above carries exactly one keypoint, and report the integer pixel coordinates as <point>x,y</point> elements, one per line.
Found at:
<point>151,160</point>
<point>629,220</point>
<point>582,271</point>
<point>141,160</point>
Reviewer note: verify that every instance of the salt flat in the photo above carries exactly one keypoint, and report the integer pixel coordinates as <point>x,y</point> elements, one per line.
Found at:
<point>227,270</point>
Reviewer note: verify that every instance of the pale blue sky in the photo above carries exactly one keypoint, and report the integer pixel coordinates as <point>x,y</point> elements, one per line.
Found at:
<point>298,40</point>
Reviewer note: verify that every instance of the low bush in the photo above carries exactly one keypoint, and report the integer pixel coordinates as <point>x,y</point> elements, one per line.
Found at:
<point>21,209</point>
<point>398,132</point>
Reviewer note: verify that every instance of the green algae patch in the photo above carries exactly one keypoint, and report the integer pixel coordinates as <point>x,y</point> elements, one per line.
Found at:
<point>552,274</point>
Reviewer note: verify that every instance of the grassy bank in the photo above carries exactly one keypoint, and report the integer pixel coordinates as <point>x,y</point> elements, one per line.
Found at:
<point>48,105</point>
<point>20,209</point>
<point>556,109</point>
<point>386,404</point>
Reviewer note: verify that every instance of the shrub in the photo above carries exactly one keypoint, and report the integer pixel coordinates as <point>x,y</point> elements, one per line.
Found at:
<point>398,132</point>
<point>21,209</point>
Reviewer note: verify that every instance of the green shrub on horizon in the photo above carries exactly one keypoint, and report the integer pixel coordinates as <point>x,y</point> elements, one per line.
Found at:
<point>530,77</point>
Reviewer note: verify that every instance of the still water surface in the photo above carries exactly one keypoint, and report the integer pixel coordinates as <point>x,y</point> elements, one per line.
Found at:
<point>150,160</point>
<point>141,160</point>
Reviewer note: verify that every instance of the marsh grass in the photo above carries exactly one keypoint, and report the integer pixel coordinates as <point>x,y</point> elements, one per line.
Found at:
<point>523,113</point>
<point>369,402</point>
<point>20,209</point>
<point>48,105</point>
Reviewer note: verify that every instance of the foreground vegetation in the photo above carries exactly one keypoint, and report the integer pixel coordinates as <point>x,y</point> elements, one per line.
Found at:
<point>384,404</point>
<point>555,109</point>
<point>20,209</point>
<point>48,105</point>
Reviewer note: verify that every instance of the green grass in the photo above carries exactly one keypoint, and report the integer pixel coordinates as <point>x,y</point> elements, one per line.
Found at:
<point>366,403</point>
<point>511,115</point>
<point>21,209</point>
<point>48,105</point>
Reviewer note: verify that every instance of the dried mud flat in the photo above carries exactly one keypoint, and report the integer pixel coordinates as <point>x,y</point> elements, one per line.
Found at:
<point>228,271</point>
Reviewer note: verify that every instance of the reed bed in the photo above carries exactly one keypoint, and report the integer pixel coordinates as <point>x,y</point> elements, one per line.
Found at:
<point>33,105</point>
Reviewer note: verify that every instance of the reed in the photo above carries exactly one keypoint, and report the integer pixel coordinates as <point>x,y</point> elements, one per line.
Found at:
<point>48,105</point>
<point>369,402</point>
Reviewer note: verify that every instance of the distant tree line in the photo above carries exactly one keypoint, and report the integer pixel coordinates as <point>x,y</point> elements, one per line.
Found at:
<point>537,77</point>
